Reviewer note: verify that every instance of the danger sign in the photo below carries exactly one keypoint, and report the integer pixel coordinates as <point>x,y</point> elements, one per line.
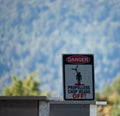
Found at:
<point>78,76</point>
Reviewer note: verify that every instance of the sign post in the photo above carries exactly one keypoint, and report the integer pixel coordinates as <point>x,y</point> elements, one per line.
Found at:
<point>78,77</point>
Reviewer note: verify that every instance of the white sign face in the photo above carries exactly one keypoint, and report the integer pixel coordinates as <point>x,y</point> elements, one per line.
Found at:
<point>78,77</point>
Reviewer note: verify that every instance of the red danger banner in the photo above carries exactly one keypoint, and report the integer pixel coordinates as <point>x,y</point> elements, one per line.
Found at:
<point>78,76</point>
<point>78,59</point>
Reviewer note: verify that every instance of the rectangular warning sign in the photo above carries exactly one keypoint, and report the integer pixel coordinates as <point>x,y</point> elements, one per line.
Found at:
<point>78,76</point>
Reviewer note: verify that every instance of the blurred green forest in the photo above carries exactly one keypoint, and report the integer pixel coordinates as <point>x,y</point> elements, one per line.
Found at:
<point>27,87</point>
<point>111,94</point>
<point>30,87</point>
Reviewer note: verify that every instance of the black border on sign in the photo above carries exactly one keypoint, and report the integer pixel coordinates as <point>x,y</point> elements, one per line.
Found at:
<point>93,79</point>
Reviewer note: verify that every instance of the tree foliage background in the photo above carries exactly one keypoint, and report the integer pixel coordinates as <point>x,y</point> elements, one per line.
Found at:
<point>111,94</point>
<point>27,87</point>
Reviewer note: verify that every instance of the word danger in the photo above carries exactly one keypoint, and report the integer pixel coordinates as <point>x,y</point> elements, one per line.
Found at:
<point>78,59</point>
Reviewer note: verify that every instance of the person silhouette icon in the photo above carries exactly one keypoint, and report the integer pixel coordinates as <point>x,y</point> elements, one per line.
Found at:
<point>78,75</point>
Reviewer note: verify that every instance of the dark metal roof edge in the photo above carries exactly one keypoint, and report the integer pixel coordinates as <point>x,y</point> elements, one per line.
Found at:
<point>40,98</point>
<point>73,102</point>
